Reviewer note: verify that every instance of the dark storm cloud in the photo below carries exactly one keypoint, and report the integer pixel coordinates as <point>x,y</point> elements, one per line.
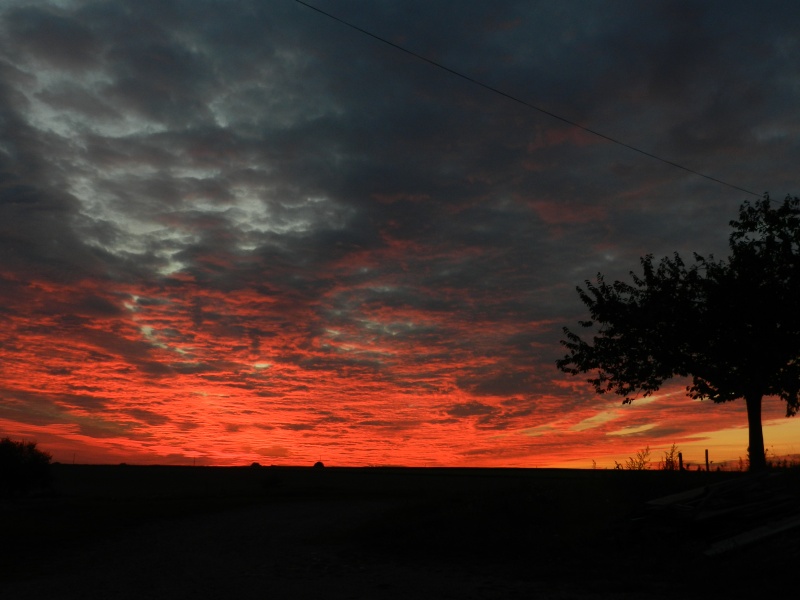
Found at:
<point>57,40</point>
<point>470,409</point>
<point>147,416</point>
<point>71,98</point>
<point>47,409</point>
<point>164,69</point>
<point>498,384</point>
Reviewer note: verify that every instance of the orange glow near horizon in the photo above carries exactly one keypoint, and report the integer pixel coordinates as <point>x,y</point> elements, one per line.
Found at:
<point>144,377</point>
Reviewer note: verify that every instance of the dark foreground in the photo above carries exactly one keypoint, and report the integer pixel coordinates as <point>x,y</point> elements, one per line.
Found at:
<point>269,532</point>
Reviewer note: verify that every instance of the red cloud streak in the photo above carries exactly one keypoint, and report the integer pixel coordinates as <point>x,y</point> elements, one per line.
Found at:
<point>181,374</point>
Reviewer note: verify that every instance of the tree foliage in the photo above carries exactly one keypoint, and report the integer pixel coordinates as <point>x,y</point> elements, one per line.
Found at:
<point>732,326</point>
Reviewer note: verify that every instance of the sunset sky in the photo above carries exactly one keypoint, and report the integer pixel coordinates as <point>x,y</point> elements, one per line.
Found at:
<point>237,231</point>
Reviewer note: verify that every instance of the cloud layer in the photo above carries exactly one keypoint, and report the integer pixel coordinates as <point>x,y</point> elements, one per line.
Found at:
<point>243,231</point>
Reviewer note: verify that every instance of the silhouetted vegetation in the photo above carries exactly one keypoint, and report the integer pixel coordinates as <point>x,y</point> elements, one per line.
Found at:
<point>670,461</point>
<point>640,462</point>
<point>733,326</point>
<point>23,467</point>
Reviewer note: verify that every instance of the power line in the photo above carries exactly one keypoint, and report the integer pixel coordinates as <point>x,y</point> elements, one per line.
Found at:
<point>520,101</point>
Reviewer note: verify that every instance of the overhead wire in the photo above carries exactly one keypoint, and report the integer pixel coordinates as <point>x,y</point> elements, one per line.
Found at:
<point>525,103</point>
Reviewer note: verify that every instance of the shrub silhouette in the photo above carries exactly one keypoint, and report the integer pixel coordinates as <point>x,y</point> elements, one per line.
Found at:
<point>670,462</point>
<point>640,462</point>
<point>22,467</point>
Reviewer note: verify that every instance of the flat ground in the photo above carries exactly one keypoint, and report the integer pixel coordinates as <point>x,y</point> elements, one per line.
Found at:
<point>275,532</point>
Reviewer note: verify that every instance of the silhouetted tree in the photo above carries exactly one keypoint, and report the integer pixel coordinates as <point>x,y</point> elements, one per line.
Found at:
<point>733,326</point>
<point>22,466</point>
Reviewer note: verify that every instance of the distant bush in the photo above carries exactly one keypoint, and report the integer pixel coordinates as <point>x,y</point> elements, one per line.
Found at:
<point>23,467</point>
<point>640,462</point>
<point>670,462</point>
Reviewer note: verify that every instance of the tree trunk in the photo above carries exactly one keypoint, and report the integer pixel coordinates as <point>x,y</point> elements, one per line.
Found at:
<point>755,450</point>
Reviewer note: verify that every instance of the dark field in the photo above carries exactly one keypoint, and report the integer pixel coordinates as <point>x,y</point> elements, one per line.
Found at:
<point>279,532</point>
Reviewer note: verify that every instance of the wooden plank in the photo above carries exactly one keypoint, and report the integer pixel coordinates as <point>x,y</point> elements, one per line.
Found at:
<point>754,535</point>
